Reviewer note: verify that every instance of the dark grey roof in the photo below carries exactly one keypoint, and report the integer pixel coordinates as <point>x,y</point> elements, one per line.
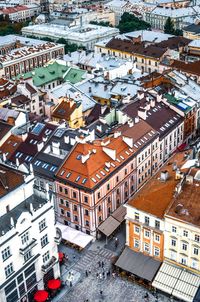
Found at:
<point>194,28</point>
<point>138,264</point>
<point>161,117</point>
<point>15,213</point>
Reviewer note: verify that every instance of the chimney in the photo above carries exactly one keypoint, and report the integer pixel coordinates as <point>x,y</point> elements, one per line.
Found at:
<point>159,98</point>
<point>56,148</point>
<point>137,119</point>
<point>152,103</point>
<point>4,157</point>
<point>17,162</point>
<point>66,139</point>
<point>140,94</point>
<point>130,123</point>
<point>142,113</point>
<point>84,158</point>
<point>117,134</point>
<point>164,175</point>
<point>40,145</point>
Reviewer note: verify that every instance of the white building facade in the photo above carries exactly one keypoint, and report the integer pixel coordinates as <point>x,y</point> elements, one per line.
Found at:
<point>28,243</point>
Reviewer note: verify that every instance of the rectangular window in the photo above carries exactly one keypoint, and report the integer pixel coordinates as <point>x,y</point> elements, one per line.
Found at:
<point>137,229</point>
<point>66,192</point>
<point>9,270</point>
<point>75,208</point>
<point>75,218</point>
<point>99,195</point>
<point>146,248</point>
<point>157,224</point>
<point>196,251</point>
<point>197,238</point>
<point>184,261</point>
<point>157,238</point>
<point>146,234</point>
<point>42,225</point>
<point>137,216</point>
<point>74,194</point>
<point>173,242</point>
<point>156,252</point>
<point>185,233</point>
<point>86,212</point>
<point>68,214</point>
<point>184,247</point>
<point>27,256</point>
<point>86,199</point>
<point>6,253</point>
<point>44,241</point>
<point>174,229</point>
<point>108,186</point>
<point>146,220</point>
<point>136,243</point>
<point>25,238</point>
<point>46,257</point>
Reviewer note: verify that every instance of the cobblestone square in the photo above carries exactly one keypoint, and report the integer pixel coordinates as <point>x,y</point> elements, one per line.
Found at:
<point>94,283</point>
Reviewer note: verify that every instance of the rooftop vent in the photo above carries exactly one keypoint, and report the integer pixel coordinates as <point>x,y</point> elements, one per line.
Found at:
<point>164,175</point>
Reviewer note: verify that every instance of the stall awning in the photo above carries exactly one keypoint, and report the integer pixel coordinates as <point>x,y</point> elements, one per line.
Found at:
<point>109,226</point>
<point>119,214</point>
<point>113,221</point>
<point>138,264</point>
<point>177,281</point>
<point>73,236</point>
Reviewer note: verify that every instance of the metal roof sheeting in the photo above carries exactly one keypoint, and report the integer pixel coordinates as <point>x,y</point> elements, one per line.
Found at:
<point>177,281</point>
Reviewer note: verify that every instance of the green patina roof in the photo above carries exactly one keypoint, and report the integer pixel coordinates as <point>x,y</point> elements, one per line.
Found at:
<point>52,72</point>
<point>178,103</point>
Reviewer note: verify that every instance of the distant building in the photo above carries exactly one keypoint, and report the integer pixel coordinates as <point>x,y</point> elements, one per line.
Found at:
<point>86,35</point>
<point>27,58</point>
<point>192,31</point>
<point>159,15</point>
<point>20,13</point>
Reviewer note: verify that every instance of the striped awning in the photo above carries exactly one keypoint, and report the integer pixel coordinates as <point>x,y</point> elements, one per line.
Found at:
<point>177,281</point>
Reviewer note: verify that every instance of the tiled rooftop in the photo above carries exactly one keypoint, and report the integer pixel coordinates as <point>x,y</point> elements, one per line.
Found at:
<point>157,195</point>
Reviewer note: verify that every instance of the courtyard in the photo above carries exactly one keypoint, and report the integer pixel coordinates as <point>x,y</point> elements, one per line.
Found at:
<point>89,277</point>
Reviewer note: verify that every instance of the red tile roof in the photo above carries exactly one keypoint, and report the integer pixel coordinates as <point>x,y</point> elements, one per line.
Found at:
<point>77,169</point>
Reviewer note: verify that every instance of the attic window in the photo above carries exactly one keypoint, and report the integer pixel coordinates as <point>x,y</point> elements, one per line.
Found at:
<point>68,175</point>
<point>94,180</point>
<point>78,178</point>
<point>52,72</point>
<point>84,180</point>
<point>41,76</point>
<point>78,156</point>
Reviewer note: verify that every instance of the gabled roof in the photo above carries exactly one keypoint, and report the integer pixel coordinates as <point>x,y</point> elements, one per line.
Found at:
<point>55,71</point>
<point>89,164</point>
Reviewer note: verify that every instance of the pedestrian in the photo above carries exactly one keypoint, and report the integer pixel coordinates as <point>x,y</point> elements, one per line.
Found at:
<point>116,242</point>
<point>86,273</point>
<point>102,264</point>
<point>70,284</point>
<point>103,274</point>
<point>89,271</point>
<point>101,292</point>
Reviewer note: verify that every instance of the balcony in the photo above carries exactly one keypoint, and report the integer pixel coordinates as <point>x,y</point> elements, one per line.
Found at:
<point>58,237</point>
<point>45,268</point>
<point>28,247</point>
